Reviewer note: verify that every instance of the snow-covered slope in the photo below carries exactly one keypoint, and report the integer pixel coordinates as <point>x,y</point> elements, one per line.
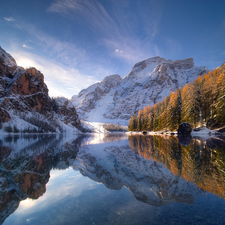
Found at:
<point>26,105</point>
<point>150,81</point>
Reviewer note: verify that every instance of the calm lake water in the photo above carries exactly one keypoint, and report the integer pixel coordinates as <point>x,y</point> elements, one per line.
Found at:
<point>111,179</point>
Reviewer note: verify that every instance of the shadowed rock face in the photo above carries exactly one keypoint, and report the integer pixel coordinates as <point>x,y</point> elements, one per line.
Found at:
<point>24,90</point>
<point>5,117</point>
<point>148,82</point>
<point>65,108</point>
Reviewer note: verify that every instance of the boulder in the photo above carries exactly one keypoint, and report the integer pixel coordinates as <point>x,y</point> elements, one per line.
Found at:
<point>184,129</point>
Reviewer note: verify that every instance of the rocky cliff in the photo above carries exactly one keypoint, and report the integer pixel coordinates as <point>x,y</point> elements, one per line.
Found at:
<point>24,91</point>
<point>116,99</point>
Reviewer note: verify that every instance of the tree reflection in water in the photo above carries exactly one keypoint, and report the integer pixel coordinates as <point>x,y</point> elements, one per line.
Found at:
<point>156,170</point>
<point>200,162</point>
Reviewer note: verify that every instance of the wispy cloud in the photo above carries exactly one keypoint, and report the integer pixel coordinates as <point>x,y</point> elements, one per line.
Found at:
<point>26,46</point>
<point>64,52</point>
<point>172,47</point>
<point>61,80</point>
<point>131,50</point>
<point>120,27</point>
<point>9,19</point>
<point>91,12</point>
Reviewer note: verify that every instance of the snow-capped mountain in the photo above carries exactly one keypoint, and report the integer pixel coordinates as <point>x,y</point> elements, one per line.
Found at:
<point>25,103</point>
<point>150,81</point>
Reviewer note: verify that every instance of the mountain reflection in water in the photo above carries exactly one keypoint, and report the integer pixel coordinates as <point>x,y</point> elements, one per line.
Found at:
<point>25,165</point>
<point>156,170</point>
<point>200,162</point>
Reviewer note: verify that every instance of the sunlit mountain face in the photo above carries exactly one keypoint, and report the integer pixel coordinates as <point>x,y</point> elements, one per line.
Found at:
<point>43,174</point>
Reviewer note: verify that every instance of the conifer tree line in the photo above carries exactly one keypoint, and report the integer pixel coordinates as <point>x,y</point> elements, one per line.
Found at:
<point>196,103</point>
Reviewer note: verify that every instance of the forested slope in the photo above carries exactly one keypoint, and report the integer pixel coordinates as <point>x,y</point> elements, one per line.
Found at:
<point>196,103</point>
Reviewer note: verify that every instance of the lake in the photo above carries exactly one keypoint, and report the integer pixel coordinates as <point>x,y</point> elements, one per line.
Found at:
<point>111,179</point>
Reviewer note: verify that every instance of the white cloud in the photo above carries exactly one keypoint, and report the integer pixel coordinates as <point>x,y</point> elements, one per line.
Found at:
<point>26,46</point>
<point>66,52</point>
<point>10,19</point>
<point>118,51</point>
<point>133,50</point>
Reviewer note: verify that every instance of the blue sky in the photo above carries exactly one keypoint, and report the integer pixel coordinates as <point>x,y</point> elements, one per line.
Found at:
<point>76,43</point>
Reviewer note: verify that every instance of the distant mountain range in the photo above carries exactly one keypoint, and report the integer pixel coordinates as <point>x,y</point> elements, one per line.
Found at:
<point>114,99</point>
<point>26,106</point>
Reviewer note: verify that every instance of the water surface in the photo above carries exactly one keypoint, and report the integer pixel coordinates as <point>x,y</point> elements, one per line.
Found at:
<point>111,179</point>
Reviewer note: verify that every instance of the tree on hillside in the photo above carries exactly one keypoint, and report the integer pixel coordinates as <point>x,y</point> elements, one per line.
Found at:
<point>196,103</point>
<point>220,106</point>
<point>139,120</point>
<point>132,123</point>
<point>175,107</point>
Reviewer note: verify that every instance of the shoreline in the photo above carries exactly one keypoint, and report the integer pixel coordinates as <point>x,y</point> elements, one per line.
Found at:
<point>203,134</point>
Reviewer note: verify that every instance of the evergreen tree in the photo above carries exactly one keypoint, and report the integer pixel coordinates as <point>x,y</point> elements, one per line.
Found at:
<point>8,129</point>
<point>178,107</point>
<point>15,129</point>
<point>197,102</point>
<point>220,106</point>
<point>139,121</point>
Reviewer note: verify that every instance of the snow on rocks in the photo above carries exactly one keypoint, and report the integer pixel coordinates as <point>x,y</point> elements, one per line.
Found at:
<point>23,92</point>
<point>150,81</point>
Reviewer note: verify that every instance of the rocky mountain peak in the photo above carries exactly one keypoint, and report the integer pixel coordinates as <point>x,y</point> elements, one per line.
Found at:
<point>7,63</point>
<point>29,81</point>
<point>24,91</point>
<point>6,57</point>
<point>110,82</point>
<point>184,64</point>
<point>155,64</point>
<point>148,82</point>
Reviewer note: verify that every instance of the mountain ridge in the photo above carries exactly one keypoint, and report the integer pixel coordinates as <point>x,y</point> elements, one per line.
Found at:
<point>25,103</point>
<point>148,82</point>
